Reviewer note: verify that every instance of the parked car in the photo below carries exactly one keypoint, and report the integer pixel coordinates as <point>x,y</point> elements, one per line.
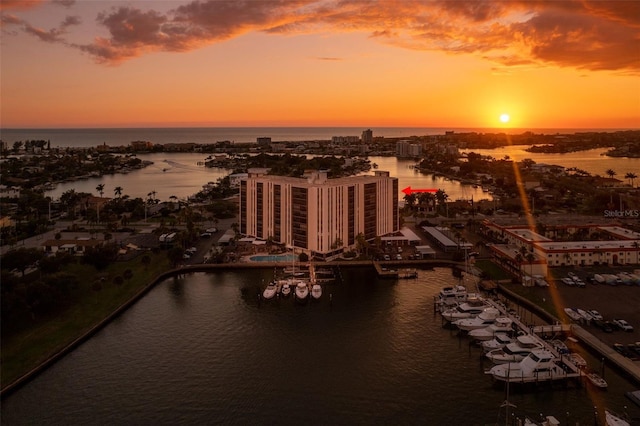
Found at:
<point>387,257</point>
<point>623,325</point>
<point>568,281</point>
<point>398,256</point>
<point>212,230</point>
<point>605,326</point>
<point>205,235</point>
<point>595,314</point>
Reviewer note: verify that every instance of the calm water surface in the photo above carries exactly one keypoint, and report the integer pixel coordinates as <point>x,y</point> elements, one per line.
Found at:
<point>203,350</point>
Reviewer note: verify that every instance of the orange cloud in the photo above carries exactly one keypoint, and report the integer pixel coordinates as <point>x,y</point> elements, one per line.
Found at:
<point>593,35</point>
<point>19,4</point>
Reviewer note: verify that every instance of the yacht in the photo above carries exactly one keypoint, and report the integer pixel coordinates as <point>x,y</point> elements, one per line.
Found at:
<point>538,365</point>
<point>302,291</point>
<point>470,308</point>
<point>271,290</point>
<point>499,341</point>
<point>500,325</point>
<point>516,351</point>
<point>483,320</point>
<point>316,291</point>
<point>451,296</point>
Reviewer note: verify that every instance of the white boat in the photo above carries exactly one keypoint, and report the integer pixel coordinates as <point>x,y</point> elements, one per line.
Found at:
<point>571,313</point>
<point>451,296</point>
<point>468,309</point>
<point>538,365</point>
<point>285,290</point>
<point>271,290</point>
<point>596,380</point>
<point>516,351</point>
<point>499,341</point>
<point>578,360</point>
<point>316,291</point>
<point>612,419</point>
<point>484,319</point>
<point>500,325</point>
<point>302,290</point>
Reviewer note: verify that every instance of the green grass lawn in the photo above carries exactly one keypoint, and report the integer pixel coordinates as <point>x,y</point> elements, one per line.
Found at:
<point>495,272</point>
<point>28,348</point>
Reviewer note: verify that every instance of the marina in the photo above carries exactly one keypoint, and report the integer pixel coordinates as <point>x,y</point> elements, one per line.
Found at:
<point>380,328</point>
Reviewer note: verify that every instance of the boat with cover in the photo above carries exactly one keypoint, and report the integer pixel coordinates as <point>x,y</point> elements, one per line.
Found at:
<point>468,309</point>
<point>538,365</point>
<point>483,320</point>
<point>500,325</point>
<point>302,291</point>
<point>516,351</point>
<point>316,291</point>
<point>271,290</point>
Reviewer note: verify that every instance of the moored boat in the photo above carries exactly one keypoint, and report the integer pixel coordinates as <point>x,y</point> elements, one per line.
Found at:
<point>271,290</point>
<point>316,291</point>
<point>285,290</point>
<point>468,309</point>
<point>578,360</point>
<point>538,365</point>
<point>302,291</point>
<point>596,380</point>
<point>612,419</point>
<point>500,340</point>
<point>483,320</point>
<point>516,351</point>
<point>500,325</point>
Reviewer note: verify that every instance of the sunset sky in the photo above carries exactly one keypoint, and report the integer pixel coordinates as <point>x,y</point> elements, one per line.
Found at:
<point>93,63</point>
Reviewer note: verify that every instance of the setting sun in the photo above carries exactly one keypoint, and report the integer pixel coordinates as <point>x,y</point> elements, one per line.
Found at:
<point>504,118</point>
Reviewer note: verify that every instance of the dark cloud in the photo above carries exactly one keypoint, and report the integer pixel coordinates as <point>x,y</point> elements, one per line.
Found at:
<point>65,3</point>
<point>8,19</point>
<point>586,34</point>
<point>52,36</point>
<point>70,21</point>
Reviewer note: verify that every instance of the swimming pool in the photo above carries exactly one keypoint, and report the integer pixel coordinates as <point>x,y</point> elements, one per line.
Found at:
<point>273,258</point>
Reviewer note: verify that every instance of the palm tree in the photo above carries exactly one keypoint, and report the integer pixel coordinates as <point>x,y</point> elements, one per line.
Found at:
<point>442,197</point>
<point>631,176</point>
<point>117,191</point>
<point>100,189</point>
<point>611,173</point>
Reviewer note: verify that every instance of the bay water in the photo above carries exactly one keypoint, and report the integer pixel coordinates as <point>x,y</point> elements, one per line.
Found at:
<point>203,349</point>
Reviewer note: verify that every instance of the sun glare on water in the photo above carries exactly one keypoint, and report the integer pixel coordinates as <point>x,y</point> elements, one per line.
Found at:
<point>504,118</point>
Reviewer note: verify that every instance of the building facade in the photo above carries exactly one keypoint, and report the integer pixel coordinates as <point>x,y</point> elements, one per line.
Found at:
<point>321,216</point>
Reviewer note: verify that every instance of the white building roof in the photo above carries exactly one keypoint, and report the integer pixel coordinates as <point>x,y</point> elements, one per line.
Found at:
<point>620,232</point>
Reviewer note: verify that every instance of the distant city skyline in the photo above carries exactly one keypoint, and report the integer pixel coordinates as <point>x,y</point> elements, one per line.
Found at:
<point>483,64</point>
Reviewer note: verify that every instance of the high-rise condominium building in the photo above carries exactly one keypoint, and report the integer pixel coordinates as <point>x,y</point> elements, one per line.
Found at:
<point>319,215</point>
